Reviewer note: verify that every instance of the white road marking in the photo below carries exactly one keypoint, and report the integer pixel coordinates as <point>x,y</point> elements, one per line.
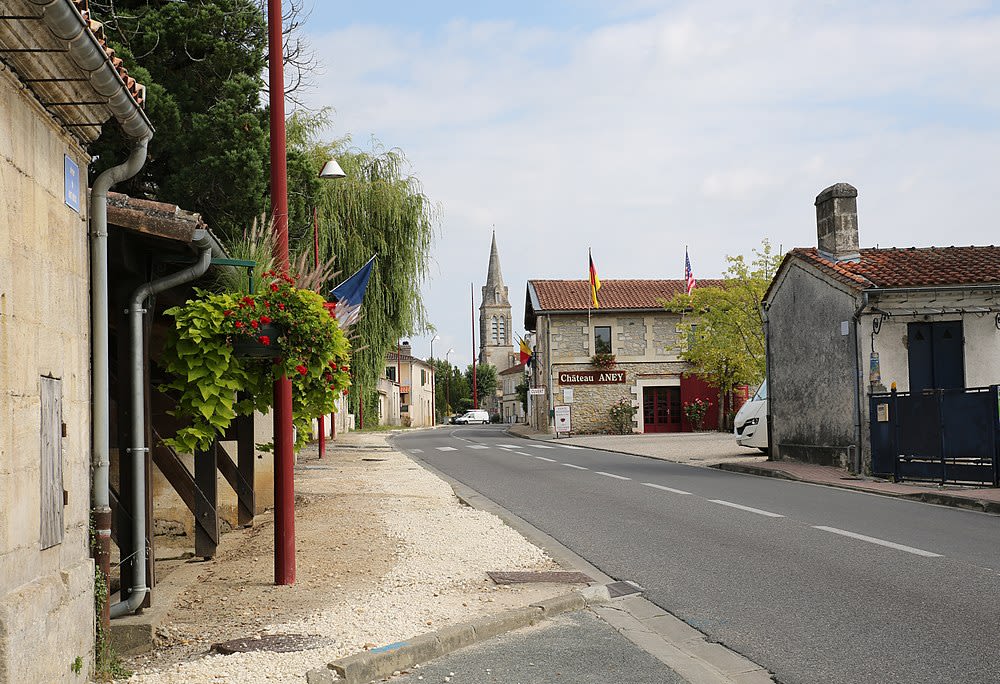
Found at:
<point>617,477</point>
<point>666,489</point>
<point>521,453</point>
<point>542,458</point>
<point>571,465</point>
<point>540,446</point>
<point>447,449</point>
<point>758,511</point>
<point>507,446</point>
<point>880,542</point>
<point>416,451</point>
<point>568,446</point>
<point>479,446</point>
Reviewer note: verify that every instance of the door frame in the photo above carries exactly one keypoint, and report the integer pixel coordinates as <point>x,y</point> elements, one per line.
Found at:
<point>637,389</point>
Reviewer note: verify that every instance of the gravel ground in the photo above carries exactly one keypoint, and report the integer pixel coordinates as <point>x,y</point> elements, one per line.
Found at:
<point>385,551</point>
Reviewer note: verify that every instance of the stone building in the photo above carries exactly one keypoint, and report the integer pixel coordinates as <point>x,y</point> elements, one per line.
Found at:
<point>511,408</point>
<point>632,326</point>
<point>415,379</point>
<point>496,338</point>
<point>844,324</point>
<point>59,85</point>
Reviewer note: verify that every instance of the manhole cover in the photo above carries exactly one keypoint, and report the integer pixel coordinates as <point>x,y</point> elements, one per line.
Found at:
<point>521,577</point>
<point>275,643</point>
<point>626,588</point>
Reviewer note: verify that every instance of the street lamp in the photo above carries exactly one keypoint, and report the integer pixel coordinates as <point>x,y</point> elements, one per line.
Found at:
<point>447,379</point>
<point>330,170</point>
<point>433,384</point>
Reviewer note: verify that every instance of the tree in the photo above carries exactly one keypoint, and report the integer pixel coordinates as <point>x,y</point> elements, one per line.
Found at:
<point>378,209</point>
<point>722,328</point>
<point>486,380</point>
<point>522,392</point>
<point>202,62</point>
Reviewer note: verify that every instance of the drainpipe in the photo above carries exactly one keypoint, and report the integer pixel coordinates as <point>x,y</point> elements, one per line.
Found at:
<point>858,394</point>
<point>99,349</point>
<point>138,450</point>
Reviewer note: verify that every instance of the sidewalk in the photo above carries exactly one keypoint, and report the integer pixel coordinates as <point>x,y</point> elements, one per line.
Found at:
<point>385,552</point>
<point>719,450</point>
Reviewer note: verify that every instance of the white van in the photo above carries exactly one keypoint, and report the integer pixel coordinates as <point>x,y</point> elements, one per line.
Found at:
<point>474,416</point>
<point>750,424</point>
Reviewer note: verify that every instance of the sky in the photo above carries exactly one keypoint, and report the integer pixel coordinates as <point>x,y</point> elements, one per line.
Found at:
<point>640,128</point>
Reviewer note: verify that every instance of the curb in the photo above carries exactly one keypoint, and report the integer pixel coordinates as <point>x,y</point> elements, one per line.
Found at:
<point>362,668</point>
<point>938,498</point>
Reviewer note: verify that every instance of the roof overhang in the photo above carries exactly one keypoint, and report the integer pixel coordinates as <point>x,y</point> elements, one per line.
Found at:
<point>926,301</point>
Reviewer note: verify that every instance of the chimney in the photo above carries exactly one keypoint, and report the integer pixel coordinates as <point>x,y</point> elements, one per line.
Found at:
<point>837,223</point>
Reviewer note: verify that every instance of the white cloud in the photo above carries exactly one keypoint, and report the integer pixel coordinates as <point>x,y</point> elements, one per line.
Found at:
<point>707,124</point>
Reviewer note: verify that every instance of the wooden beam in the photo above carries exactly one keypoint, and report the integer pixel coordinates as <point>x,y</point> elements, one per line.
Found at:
<point>206,514</point>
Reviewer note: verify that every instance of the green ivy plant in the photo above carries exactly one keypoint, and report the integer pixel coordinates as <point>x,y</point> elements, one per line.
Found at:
<point>206,375</point>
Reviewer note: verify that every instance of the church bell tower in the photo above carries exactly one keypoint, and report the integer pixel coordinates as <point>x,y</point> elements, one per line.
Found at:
<point>495,334</point>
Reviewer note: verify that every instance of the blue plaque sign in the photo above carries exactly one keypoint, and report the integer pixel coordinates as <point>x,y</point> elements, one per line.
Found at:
<point>72,184</point>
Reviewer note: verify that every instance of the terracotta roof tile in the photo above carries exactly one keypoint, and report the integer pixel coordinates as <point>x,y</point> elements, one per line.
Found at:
<point>574,295</point>
<point>136,89</point>
<point>911,267</point>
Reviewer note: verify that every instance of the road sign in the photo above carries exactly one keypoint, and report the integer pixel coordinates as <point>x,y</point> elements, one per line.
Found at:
<point>536,391</point>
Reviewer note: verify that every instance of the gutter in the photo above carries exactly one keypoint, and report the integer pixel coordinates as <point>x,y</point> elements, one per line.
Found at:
<point>139,449</point>
<point>67,24</point>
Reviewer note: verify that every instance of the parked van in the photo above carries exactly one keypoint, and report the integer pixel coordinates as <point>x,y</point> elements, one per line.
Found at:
<point>474,416</point>
<point>750,424</point>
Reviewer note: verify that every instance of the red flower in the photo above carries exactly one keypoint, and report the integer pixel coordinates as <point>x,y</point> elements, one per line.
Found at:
<point>265,340</point>
<point>301,369</point>
<point>267,304</point>
<point>265,319</point>
<point>345,393</point>
<point>274,287</point>
<point>281,306</point>
<point>227,313</point>
<point>238,324</point>
<point>254,324</point>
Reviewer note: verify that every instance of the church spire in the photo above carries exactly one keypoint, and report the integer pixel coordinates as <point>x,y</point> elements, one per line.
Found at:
<point>493,276</point>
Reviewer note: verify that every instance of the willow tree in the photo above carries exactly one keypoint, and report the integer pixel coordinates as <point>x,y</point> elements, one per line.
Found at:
<point>378,209</point>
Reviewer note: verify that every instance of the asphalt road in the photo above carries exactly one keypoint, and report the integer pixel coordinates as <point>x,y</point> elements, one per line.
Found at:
<point>816,584</point>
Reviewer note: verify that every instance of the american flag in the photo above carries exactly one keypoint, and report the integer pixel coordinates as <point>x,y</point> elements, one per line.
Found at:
<point>688,275</point>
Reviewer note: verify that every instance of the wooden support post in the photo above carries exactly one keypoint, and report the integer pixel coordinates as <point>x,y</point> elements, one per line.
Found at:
<point>206,516</point>
<point>246,463</point>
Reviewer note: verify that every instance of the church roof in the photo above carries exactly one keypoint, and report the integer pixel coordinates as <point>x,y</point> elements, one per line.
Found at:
<point>493,276</point>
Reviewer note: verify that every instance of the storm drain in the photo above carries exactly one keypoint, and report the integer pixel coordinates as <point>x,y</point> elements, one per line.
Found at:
<point>275,643</point>
<point>626,588</point>
<point>524,577</point>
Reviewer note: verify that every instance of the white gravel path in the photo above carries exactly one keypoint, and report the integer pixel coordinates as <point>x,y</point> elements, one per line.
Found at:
<point>443,551</point>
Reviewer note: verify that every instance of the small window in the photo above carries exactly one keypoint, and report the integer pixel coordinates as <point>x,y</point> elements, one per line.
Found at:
<point>390,373</point>
<point>503,330</point>
<point>602,339</point>
<point>423,377</point>
<point>494,330</point>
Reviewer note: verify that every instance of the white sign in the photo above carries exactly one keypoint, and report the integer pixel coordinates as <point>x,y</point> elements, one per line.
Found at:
<point>536,391</point>
<point>562,419</point>
<point>568,395</point>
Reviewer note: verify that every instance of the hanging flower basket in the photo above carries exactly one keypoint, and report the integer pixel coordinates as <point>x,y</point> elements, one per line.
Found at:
<point>262,343</point>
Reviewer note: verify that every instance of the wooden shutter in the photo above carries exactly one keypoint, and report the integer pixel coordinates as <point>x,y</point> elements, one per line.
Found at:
<point>51,463</point>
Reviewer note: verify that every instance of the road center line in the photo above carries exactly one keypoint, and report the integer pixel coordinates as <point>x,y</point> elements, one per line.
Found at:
<point>416,451</point>
<point>478,446</point>
<point>617,477</point>
<point>507,446</point>
<point>666,489</point>
<point>447,449</point>
<point>542,458</point>
<point>880,542</point>
<point>572,465</point>
<point>521,453</point>
<point>568,446</point>
<point>747,508</point>
<point>540,446</point>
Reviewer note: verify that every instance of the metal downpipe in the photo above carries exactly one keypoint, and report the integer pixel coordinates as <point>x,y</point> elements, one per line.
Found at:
<point>138,449</point>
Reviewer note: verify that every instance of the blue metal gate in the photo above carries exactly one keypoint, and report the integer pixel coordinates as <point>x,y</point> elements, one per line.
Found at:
<point>940,435</point>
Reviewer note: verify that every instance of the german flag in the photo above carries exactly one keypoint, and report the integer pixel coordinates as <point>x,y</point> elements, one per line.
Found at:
<point>595,282</point>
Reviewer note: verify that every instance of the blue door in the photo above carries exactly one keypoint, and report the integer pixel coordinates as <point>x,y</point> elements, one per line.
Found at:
<point>936,357</point>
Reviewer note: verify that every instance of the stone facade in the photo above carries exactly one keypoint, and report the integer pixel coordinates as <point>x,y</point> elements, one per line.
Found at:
<point>46,595</point>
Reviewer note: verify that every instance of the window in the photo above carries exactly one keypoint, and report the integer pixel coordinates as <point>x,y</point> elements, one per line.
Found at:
<point>423,377</point>
<point>494,330</point>
<point>390,373</point>
<point>602,339</point>
<point>503,330</point>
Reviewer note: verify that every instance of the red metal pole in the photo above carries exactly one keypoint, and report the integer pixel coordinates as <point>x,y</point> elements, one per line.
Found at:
<point>321,420</point>
<point>284,467</point>
<point>475,394</point>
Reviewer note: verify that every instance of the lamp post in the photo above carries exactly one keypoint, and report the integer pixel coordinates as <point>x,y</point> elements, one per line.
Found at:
<point>284,466</point>
<point>330,170</point>
<point>447,378</point>
<point>433,384</point>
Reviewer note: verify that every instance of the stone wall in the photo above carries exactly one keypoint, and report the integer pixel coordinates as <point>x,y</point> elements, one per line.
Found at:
<point>46,596</point>
<point>630,336</point>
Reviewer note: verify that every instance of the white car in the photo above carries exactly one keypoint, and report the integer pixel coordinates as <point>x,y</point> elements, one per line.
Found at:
<point>750,424</point>
<point>475,416</point>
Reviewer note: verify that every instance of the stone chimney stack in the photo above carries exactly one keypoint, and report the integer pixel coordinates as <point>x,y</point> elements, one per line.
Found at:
<point>837,223</point>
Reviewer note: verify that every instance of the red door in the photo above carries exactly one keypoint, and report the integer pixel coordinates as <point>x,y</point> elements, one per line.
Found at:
<point>661,409</point>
